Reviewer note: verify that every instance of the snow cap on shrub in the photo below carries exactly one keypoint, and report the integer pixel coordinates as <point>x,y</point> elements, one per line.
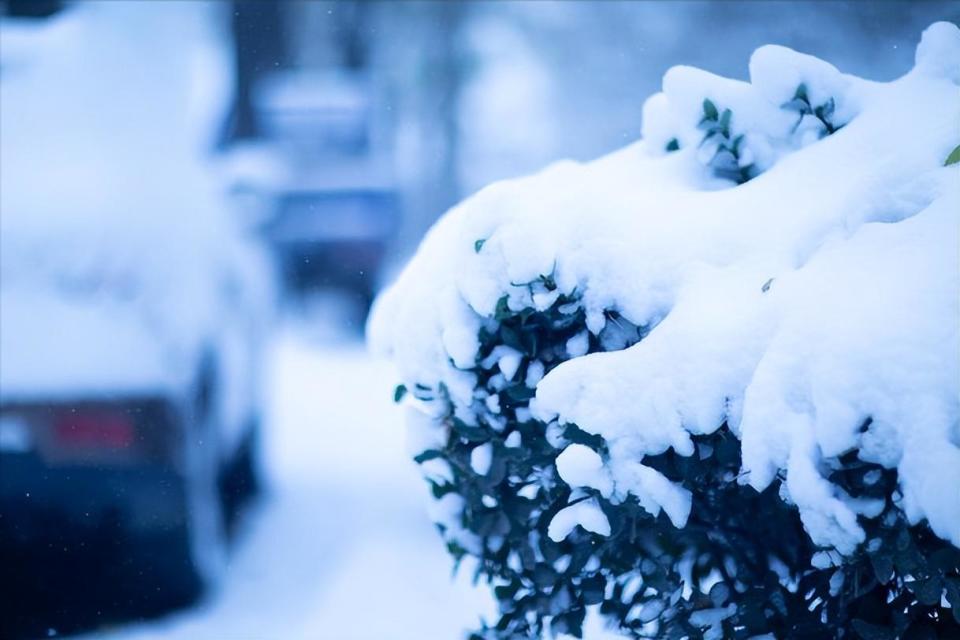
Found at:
<point>772,273</point>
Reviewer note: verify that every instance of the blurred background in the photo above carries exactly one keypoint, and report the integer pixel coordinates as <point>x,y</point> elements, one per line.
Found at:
<point>198,202</point>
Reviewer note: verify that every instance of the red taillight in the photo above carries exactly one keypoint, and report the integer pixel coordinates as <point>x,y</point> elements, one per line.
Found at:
<point>94,429</point>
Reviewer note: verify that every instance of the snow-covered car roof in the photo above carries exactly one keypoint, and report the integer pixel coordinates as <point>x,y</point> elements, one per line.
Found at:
<point>114,234</point>
<point>105,119</point>
<point>68,348</point>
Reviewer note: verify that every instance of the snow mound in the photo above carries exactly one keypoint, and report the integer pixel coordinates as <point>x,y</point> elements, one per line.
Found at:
<point>813,308</point>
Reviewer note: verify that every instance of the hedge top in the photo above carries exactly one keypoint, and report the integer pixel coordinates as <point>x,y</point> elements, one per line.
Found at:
<point>789,245</point>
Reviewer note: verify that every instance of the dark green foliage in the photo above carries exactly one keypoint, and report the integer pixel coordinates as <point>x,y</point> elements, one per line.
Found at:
<point>741,549</point>
<point>954,157</point>
<point>901,572</point>
<point>672,145</point>
<point>823,112</point>
<point>726,159</point>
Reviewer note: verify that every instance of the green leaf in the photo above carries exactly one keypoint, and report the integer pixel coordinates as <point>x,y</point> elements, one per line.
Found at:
<point>735,146</point>
<point>800,106</point>
<point>908,560</point>
<point>520,392</point>
<point>946,560</point>
<point>954,157</point>
<point>720,592</point>
<point>710,110</point>
<point>511,338</point>
<point>576,435</point>
<point>870,631</point>
<point>882,562</point>
<point>478,245</point>
<point>507,591</point>
<point>548,282</point>
<point>502,311</point>
<point>920,631</point>
<point>399,392</point>
<point>953,596</point>
<point>825,111</point>
<point>593,589</point>
<point>439,490</point>
<point>544,575</point>
<point>472,434</point>
<point>801,93</point>
<point>929,590</point>
<point>429,454</point>
<point>673,145</point>
<point>725,121</point>
<point>570,623</point>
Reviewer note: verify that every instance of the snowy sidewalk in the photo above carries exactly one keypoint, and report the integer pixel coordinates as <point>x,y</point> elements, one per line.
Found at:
<point>340,548</point>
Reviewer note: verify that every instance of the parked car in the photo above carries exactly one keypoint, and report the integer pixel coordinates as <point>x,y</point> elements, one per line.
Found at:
<point>333,207</point>
<point>332,229</point>
<point>133,307</point>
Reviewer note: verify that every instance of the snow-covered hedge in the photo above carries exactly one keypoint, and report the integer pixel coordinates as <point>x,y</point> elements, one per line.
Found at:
<point>707,384</point>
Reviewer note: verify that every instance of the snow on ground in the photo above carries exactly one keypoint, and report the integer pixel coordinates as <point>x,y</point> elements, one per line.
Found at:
<point>341,547</point>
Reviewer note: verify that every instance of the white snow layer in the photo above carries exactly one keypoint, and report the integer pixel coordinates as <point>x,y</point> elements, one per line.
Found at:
<point>118,255</point>
<point>586,513</point>
<point>795,307</point>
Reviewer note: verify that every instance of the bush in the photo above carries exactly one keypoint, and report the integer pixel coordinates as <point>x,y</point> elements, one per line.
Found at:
<point>741,566</point>
<point>714,414</point>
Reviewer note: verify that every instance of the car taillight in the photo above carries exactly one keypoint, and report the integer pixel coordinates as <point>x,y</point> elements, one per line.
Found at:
<point>94,429</point>
<point>91,432</point>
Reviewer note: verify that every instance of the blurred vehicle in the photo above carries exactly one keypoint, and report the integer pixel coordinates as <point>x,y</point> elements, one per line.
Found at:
<point>133,306</point>
<point>331,229</point>
<point>332,209</point>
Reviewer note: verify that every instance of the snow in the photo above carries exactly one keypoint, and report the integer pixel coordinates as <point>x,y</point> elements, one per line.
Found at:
<point>586,513</point>
<point>938,52</point>
<point>341,546</point>
<point>711,618</point>
<point>480,459</point>
<point>96,339</point>
<point>793,307</point>
<point>887,352</point>
<point>777,71</point>
<point>535,371</point>
<point>581,466</point>
<point>578,345</point>
<point>509,362</point>
<point>88,208</point>
<point>652,488</point>
<point>119,261</point>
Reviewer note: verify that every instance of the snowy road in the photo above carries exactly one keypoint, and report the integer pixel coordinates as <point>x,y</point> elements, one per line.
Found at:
<point>341,547</point>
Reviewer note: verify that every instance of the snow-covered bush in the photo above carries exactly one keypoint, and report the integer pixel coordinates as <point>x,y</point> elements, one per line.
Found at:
<point>707,385</point>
